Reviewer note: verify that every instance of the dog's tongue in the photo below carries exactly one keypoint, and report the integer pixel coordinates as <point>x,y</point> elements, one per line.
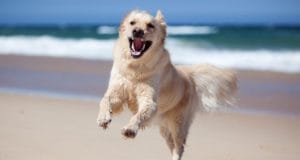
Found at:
<point>138,44</point>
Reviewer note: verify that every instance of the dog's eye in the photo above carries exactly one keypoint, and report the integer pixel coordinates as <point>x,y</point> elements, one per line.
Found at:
<point>150,25</point>
<point>132,22</point>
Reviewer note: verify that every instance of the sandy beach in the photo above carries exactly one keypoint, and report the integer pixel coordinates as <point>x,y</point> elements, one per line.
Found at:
<point>36,126</point>
<point>39,128</point>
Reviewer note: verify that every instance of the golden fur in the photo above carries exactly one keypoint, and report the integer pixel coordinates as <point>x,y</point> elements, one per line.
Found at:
<point>153,88</point>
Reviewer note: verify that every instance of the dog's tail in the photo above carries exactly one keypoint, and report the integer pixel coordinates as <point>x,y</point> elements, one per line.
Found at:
<point>216,87</point>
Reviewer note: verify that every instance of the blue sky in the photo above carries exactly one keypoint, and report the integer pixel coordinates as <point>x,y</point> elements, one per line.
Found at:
<point>267,12</point>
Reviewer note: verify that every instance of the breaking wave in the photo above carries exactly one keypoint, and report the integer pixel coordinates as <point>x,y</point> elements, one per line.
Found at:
<point>172,30</point>
<point>90,48</point>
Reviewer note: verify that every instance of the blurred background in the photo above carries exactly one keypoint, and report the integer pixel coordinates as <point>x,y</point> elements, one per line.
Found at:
<point>259,35</point>
<point>55,61</point>
<point>244,34</point>
<point>64,47</point>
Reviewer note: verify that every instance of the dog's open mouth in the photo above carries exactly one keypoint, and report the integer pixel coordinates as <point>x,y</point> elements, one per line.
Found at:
<point>138,46</point>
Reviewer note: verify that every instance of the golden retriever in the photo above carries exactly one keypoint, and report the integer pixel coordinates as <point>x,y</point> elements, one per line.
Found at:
<point>144,80</point>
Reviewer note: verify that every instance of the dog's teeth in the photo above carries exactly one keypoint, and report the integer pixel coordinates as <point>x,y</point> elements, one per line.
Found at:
<point>136,53</point>
<point>132,47</point>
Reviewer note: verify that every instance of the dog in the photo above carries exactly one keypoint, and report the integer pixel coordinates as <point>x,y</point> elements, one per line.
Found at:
<point>144,80</point>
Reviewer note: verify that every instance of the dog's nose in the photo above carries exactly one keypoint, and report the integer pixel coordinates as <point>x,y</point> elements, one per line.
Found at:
<point>138,33</point>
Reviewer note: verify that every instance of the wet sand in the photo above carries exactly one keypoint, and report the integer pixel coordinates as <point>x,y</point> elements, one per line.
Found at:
<point>37,127</point>
<point>258,91</point>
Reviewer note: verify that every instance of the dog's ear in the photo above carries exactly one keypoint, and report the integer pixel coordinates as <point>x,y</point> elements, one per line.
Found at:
<point>160,18</point>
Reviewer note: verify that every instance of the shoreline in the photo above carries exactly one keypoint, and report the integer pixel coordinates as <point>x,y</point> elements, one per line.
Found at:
<point>250,110</point>
<point>71,78</point>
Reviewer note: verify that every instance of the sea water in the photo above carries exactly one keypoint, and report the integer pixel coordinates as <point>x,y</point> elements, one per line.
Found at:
<point>241,47</point>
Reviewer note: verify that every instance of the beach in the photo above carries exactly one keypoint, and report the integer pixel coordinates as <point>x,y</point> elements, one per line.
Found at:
<point>260,91</point>
<point>48,110</point>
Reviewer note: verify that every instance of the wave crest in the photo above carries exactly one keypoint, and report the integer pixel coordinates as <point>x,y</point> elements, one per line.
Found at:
<point>89,48</point>
<point>107,30</point>
<point>191,30</point>
<point>172,30</point>
<point>58,47</point>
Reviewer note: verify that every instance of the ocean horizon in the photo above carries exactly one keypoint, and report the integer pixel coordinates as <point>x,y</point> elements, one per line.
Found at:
<point>266,48</point>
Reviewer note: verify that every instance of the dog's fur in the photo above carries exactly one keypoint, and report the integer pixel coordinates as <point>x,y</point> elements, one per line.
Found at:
<point>152,87</point>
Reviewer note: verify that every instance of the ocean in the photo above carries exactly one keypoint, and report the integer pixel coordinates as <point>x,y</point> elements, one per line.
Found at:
<point>241,47</point>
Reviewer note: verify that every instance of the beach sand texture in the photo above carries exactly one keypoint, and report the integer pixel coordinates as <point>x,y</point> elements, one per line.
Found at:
<point>37,127</point>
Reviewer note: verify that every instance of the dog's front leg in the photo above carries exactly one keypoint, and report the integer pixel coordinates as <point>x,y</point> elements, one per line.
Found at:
<point>146,100</point>
<point>111,102</point>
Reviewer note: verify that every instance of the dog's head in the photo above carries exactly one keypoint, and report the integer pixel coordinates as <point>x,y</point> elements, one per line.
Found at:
<point>143,32</point>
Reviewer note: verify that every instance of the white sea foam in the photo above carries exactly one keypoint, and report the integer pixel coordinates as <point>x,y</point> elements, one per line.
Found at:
<point>172,30</point>
<point>284,61</point>
<point>191,30</point>
<point>52,46</point>
<point>107,30</point>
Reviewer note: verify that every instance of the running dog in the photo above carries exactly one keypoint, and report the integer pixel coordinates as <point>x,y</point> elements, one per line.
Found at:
<point>144,80</point>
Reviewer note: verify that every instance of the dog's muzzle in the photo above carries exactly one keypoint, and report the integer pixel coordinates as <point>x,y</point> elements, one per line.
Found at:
<point>137,44</point>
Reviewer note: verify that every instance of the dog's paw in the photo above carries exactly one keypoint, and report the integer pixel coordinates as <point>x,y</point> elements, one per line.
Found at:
<point>103,120</point>
<point>129,132</point>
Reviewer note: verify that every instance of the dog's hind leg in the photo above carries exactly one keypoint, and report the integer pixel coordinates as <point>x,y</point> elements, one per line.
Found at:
<point>179,139</point>
<point>166,134</point>
<point>179,134</point>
